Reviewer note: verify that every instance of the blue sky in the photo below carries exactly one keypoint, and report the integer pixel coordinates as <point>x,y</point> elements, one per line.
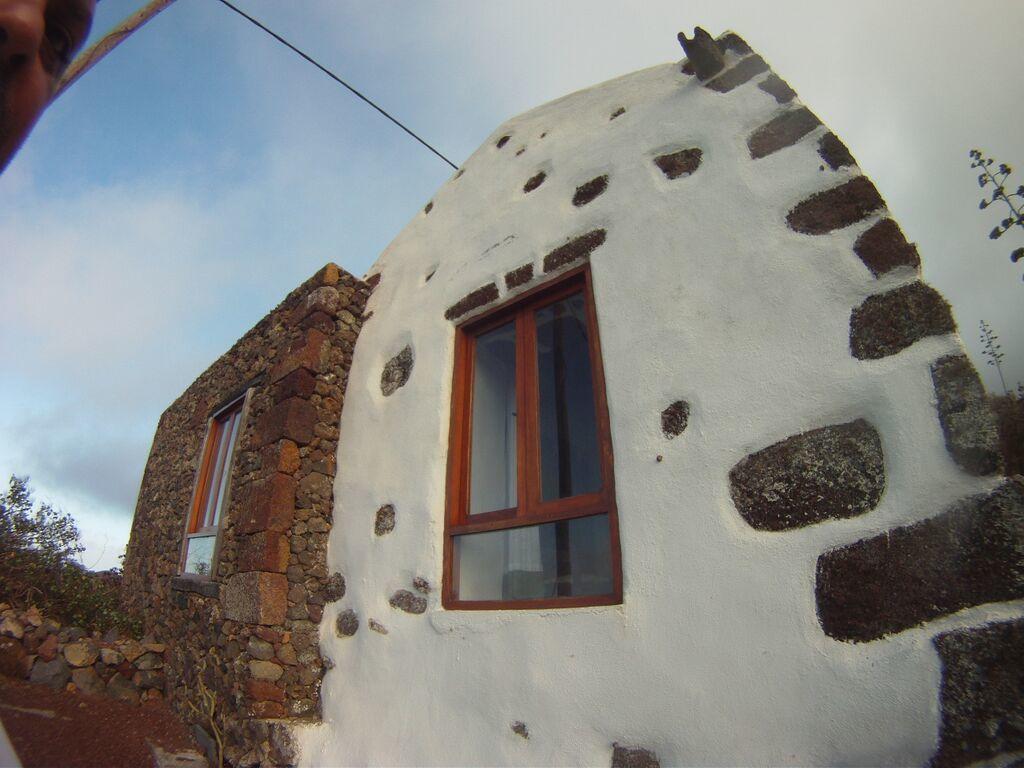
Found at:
<point>179,190</point>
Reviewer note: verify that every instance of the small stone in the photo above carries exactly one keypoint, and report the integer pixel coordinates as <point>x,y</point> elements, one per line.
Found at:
<point>385,520</point>
<point>260,649</point>
<point>396,372</point>
<point>154,647</point>
<point>347,623</point>
<point>834,152</point>
<point>675,418</point>
<point>519,728</point>
<point>48,648</point>
<point>778,88</point>
<point>82,653</point>
<point>13,658</point>
<point>633,757</point>
<point>590,190</point>
<point>286,655</point>
<point>534,181</point>
<point>120,687</point>
<point>109,656</point>
<point>264,690</point>
<point>265,670</point>
<point>376,626</point>
<point>404,600</point>
<point>619,111</point>
<point>87,681</point>
<point>968,423</point>
<point>519,276</point>
<point>55,674</point>
<point>681,163</point>
<point>148,678</point>
<point>32,617</point>
<point>335,588</point>
<point>71,634</point>
<point>11,627</point>
<point>421,585</point>
<point>887,323</point>
<point>150,661</point>
<point>132,650</point>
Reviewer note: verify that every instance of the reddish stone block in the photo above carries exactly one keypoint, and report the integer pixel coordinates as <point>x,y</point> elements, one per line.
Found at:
<point>298,383</point>
<point>269,505</point>
<point>255,598</point>
<point>282,456</point>
<point>292,418</point>
<point>264,551</point>
<point>263,690</point>
<point>306,352</point>
<point>268,710</point>
<point>320,320</point>
<point>269,635</point>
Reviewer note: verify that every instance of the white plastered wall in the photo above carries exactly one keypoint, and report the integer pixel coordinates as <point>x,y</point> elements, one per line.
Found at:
<point>702,293</point>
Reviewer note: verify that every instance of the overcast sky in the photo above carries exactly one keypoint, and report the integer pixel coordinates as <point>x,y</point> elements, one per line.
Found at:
<point>178,191</point>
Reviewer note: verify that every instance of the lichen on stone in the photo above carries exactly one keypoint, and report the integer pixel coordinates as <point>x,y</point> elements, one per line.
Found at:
<point>675,418</point>
<point>404,600</point>
<point>384,522</point>
<point>347,623</point>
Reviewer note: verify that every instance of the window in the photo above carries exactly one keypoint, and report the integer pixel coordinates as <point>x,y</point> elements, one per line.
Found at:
<point>531,508</point>
<point>210,497</point>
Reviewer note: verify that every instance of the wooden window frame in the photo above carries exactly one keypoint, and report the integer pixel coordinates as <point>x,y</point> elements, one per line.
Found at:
<point>531,510</point>
<point>203,482</point>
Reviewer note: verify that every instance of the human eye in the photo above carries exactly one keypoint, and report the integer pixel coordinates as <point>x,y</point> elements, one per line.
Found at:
<point>57,48</point>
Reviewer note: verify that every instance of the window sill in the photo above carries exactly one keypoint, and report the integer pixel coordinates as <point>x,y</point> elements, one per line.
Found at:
<point>200,586</point>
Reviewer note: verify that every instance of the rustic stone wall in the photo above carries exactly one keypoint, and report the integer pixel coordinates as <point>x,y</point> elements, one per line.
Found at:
<point>250,630</point>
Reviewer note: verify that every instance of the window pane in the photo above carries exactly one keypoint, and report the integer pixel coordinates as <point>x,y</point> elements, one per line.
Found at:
<point>563,559</point>
<point>230,435</point>
<point>568,431</point>
<point>492,484</point>
<point>199,557</point>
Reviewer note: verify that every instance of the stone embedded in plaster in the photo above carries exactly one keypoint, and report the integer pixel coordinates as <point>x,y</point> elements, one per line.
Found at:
<point>334,589</point>
<point>589,190</point>
<point>781,131</point>
<point>633,757</point>
<point>428,207</point>
<point>384,522</point>
<point>421,585</point>
<point>745,70</point>
<point>834,152</point>
<point>835,208</point>
<point>829,473</point>
<point>404,600</point>
<point>519,729</point>
<point>298,383</point>
<point>534,181</point>
<point>347,623</point>
<point>968,423</point>
<point>293,419</point>
<point>619,111</point>
<point>969,555</point>
<point>887,323</point>
<point>519,276</point>
<point>255,598</point>
<point>478,298</point>
<point>396,372</point>
<point>982,694</point>
<point>682,163</point>
<point>502,141</point>
<point>883,247</point>
<point>308,351</point>
<point>268,505</point>
<point>520,151</point>
<point>373,280</point>
<point>377,627</point>
<point>675,418</point>
<point>578,248</point>
<point>263,551</point>
<point>777,88</point>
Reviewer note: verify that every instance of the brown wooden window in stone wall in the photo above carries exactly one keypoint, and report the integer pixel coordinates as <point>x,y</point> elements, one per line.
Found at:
<point>531,516</point>
<point>212,487</point>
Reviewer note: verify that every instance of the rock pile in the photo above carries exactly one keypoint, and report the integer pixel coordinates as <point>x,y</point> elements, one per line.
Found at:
<point>40,650</point>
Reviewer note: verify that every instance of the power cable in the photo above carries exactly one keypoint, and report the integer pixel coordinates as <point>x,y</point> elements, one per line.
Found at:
<point>337,79</point>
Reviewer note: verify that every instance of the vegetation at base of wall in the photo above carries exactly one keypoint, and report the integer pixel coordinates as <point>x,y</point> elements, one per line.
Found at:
<point>38,566</point>
<point>1009,410</point>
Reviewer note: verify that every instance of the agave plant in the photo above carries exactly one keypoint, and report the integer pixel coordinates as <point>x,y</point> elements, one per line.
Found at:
<point>1013,200</point>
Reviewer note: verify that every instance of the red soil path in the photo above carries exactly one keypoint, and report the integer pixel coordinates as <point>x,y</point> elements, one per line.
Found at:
<point>56,728</point>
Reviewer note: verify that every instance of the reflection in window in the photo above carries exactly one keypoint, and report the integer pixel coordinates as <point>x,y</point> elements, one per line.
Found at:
<point>493,457</point>
<point>568,558</point>
<point>568,432</point>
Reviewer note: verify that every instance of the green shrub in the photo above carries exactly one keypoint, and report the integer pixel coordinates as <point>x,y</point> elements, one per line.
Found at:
<point>38,566</point>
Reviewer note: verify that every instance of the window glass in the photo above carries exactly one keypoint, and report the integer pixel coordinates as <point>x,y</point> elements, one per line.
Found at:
<point>493,478</point>
<point>570,462</point>
<point>199,557</point>
<point>567,558</point>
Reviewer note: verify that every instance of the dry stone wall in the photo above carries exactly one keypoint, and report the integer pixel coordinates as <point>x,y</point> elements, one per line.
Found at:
<point>250,631</point>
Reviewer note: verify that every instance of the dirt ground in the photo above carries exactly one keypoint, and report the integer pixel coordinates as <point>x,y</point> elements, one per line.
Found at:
<point>71,730</point>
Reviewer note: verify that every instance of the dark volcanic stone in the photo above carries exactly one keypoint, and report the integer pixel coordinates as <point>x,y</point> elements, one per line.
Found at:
<point>681,163</point>
<point>782,131</point>
<point>334,589</point>
<point>578,248</point>
<point>778,88</point>
<point>825,474</point>
<point>519,728</point>
<point>982,698</point>
<point>968,423</point>
<point>675,418</point>
<point>704,55</point>
<point>385,521</point>
<point>519,276</point>
<point>883,247</point>
<point>633,757</point>
<point>347,623</point>
<point>589,190</point>
<point>889,322</point>
<point>969,555</point>
<point>619,111</point>
<point>834,152</point>
<point>396,372</point>
<point>534,181</point>
<point>482,295</point>
<point>748,68</point>
<point>730,41</point>
<point>502,141</point>
<point>404,600</point>
<point>835,208</point>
